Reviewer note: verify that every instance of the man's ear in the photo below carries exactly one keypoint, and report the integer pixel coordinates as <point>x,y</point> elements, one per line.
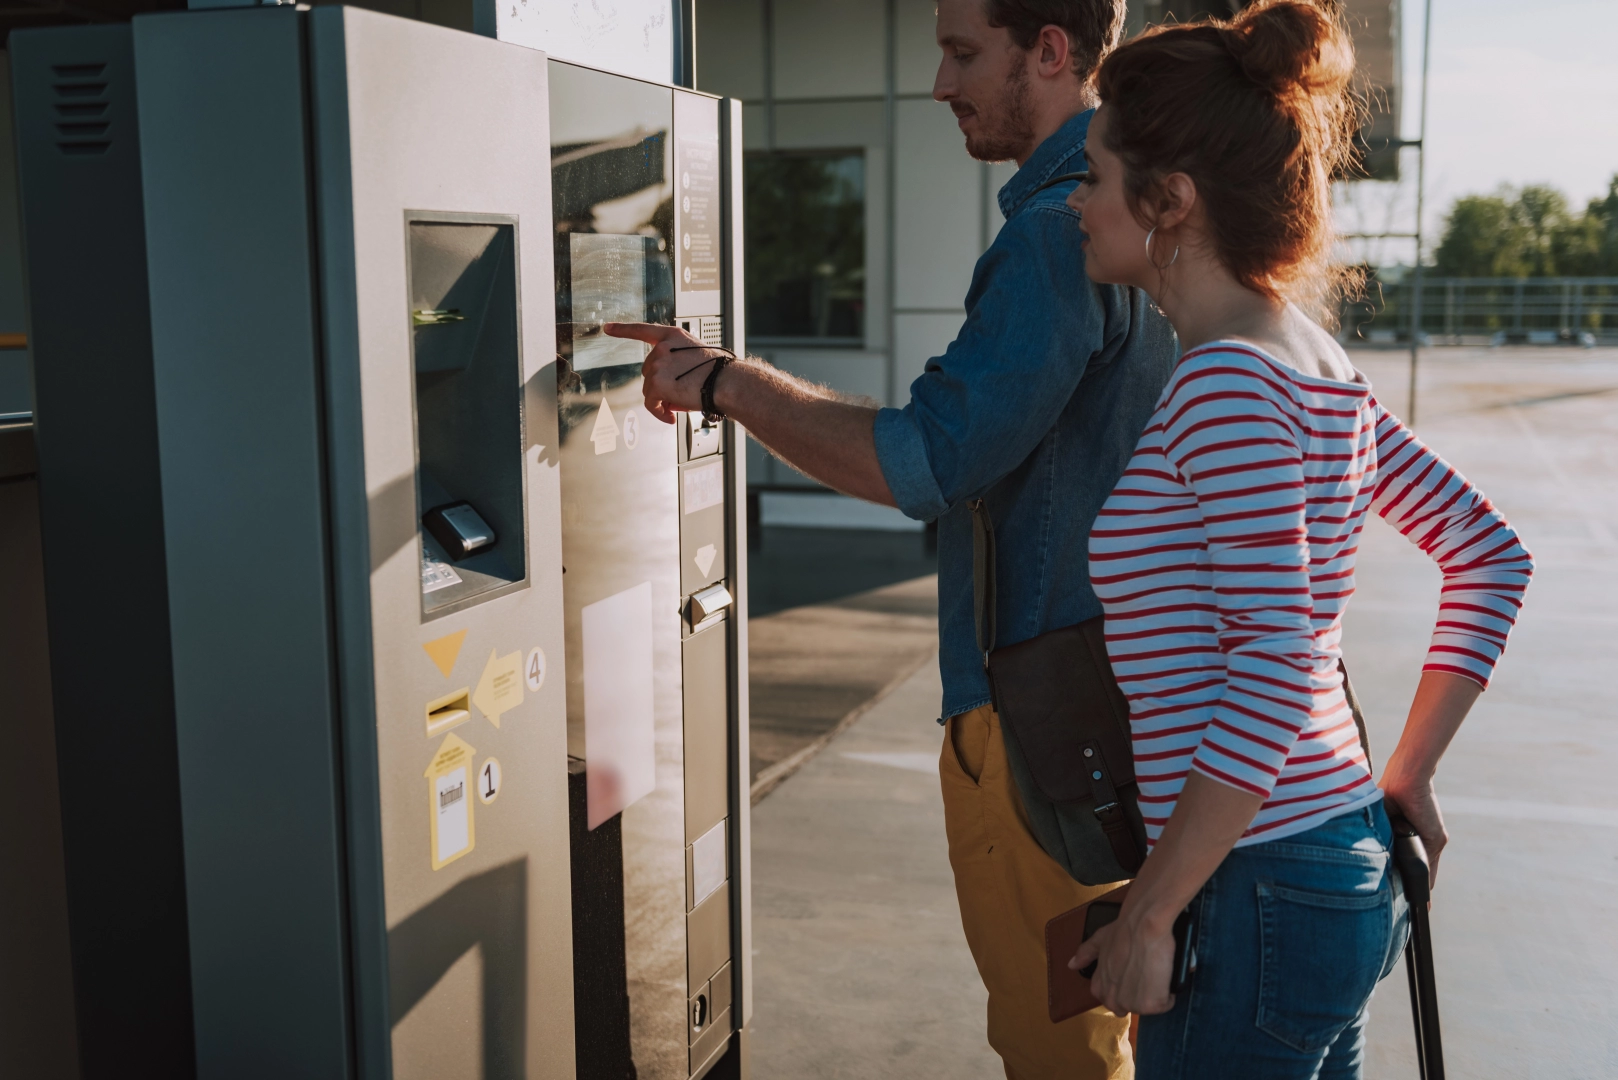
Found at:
<point>1176,198</point>
<point>1054,51</point>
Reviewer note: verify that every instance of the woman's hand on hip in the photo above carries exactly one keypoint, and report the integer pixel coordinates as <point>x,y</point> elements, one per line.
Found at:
<point>1133,964</point>
<point>1418,803</point>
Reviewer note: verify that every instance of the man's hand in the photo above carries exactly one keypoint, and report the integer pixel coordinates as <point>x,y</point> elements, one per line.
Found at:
<point>1133,964</point>
<point>675,369</point>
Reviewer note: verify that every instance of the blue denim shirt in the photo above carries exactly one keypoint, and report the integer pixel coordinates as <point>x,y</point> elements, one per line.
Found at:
<point>1036,407</point>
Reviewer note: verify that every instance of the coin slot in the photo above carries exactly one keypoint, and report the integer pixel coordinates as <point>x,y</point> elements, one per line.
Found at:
<point>448,711</point>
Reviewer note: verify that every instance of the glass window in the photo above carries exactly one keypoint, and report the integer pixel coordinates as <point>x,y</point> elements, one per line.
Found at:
<point>805,221</point>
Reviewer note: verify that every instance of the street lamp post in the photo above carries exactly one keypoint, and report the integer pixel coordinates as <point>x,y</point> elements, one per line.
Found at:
<point>1421,191</point>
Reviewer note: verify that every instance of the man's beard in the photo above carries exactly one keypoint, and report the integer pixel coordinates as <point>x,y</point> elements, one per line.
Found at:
<point>1008,130</point>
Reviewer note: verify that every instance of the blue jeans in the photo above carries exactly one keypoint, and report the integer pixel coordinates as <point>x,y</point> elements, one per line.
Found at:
<point>1291,937</point>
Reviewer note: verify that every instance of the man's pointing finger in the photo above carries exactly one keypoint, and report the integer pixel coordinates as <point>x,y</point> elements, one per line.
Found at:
<point>651,333</point>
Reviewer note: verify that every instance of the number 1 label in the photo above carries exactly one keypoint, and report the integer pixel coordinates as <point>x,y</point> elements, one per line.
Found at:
<point>489,780</point>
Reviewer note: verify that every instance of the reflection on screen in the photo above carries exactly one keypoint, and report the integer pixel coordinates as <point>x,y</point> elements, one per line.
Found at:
<point>608,285</point>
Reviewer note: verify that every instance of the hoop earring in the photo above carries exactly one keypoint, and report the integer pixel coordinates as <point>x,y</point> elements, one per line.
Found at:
<point>1149,258</point>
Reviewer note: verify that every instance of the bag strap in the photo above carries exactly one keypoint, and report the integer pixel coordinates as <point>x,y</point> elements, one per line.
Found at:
<point>1359,715</point>
<point>983,578</point>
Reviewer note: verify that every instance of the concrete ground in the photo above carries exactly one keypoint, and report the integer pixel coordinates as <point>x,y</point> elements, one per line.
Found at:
<point>860,968</point>
<point>817,668</point>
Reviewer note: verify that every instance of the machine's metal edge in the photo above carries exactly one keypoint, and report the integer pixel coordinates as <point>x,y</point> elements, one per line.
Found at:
<point>730,134</point>
<point>348,509</point>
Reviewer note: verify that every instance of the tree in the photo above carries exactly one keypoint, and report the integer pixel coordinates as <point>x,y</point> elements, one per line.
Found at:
<point>1531,232</point>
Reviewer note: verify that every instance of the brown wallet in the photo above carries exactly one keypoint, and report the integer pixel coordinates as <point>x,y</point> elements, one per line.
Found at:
<point>1067,992</point>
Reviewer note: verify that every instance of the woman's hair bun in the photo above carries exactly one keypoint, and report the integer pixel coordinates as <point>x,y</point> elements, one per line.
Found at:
<point>1258,110</point>
<point>1291,46</point>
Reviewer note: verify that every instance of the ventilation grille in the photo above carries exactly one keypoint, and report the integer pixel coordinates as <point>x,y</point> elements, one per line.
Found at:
<point>81,109</point>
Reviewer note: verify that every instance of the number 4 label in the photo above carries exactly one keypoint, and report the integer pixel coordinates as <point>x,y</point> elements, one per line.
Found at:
<point>489,780</point>
<point>535,669</point>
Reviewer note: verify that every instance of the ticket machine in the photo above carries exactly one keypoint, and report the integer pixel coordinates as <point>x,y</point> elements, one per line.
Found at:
<point>426,753</point>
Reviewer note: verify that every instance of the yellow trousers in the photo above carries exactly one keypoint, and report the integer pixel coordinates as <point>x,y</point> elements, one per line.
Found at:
<point>1008,888</point>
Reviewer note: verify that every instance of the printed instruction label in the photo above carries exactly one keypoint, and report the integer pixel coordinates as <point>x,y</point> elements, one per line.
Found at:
<point>449,800</point>
<point>704,486</point>
<point>500,687</point>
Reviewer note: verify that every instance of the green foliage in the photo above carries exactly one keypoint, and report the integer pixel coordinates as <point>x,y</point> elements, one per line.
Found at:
<point>1531,232</point>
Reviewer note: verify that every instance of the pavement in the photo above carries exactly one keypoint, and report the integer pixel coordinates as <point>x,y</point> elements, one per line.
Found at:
<point>813,670</point>
<point>860,967</point>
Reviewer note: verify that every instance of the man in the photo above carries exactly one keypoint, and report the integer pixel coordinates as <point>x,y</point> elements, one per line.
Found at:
<point>1036,408</point>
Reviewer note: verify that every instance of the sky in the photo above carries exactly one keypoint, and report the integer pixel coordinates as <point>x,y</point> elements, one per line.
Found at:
<point>1523,92</point>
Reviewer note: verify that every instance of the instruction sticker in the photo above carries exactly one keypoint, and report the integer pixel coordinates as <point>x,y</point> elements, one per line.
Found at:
<point>500,687</point>
<point>450,803</point>
<point>605,432</point>
<point>704,558</point>
<point>704,486</point>
<point>445,650</point>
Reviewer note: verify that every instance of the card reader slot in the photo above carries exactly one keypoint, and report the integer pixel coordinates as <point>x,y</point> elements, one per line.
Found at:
<point>449,711</point>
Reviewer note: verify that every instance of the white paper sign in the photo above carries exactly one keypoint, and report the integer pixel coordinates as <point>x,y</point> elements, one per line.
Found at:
<point>454,814</point>
<point>704,487</point>
<point>620,752</point>
<point>631,37</point>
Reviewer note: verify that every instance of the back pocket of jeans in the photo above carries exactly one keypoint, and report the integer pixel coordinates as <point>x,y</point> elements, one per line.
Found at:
<point>1322,956</point>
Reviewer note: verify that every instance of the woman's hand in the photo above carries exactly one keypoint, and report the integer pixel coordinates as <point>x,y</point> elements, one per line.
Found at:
<point>1133,964</point>
<point>1442,702</point>
<point>1417,801</point>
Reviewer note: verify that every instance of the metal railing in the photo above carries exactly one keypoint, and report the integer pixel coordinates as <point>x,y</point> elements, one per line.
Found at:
<point>1479,310</point>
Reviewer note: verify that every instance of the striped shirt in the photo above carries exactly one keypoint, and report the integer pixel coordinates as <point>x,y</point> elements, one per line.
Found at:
<point>1224,559</point>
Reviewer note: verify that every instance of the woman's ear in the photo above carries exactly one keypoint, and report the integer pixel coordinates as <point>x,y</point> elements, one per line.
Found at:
<point>1177,197</point>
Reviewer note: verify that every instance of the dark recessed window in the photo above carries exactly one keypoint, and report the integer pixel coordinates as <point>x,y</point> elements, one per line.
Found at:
<point>806,247</point>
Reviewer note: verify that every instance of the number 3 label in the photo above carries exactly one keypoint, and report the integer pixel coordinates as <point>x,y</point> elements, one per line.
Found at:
<point>489,780</point>
<point>535,669</point>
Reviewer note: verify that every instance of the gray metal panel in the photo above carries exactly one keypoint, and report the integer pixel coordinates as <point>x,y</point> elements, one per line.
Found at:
<point>239,398</point>
<point>101,521</point>
<point>707,714</point>
<point>415,122</point>
<point>350,544</point>
<point>707,939</point>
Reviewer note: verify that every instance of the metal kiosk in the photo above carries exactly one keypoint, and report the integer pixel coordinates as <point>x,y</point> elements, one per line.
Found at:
<point>364,789</point>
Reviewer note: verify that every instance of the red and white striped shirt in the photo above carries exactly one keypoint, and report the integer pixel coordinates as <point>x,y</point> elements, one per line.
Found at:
<point>1224,559</point>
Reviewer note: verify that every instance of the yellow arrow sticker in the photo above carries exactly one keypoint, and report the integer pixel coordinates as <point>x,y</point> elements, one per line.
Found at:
<point>449,800</point>
<point>445,650</point>
<point>500,687</point>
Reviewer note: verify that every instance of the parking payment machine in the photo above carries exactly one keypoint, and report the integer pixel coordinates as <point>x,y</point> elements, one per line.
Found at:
<point>641,195</point>
<point>440,768</point>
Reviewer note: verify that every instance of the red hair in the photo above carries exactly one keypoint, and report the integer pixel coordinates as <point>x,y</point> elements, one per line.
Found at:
<point>1257,110</point>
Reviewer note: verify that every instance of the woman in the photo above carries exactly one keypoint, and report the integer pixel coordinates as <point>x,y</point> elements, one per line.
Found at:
<point>1224,559</point>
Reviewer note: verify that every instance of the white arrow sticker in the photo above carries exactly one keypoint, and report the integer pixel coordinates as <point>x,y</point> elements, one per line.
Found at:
<point>704,559</point>
<point>605,432</point>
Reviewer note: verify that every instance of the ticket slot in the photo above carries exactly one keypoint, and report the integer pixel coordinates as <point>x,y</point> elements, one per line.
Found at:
<point>449,711</point>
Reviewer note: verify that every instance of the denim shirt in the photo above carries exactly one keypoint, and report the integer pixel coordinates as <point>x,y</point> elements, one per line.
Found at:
<point>1035,407</point>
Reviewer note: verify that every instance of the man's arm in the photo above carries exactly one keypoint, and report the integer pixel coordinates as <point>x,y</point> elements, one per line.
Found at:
<point>806,425</point>
<point>1033,322</point>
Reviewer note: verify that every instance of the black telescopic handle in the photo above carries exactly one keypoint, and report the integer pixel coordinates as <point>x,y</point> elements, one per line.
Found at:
<point>1415,873</point>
